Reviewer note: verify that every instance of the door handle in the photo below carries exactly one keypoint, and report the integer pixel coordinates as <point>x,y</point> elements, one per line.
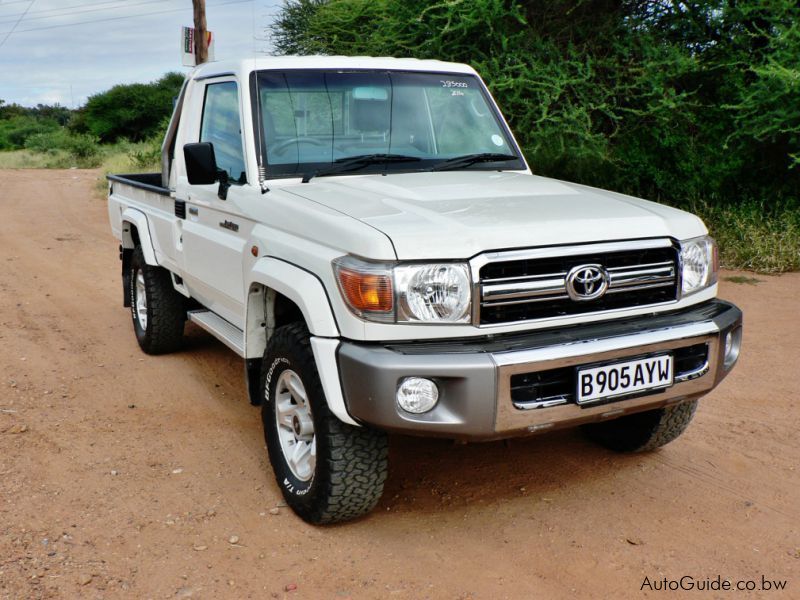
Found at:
<point>193,210</point>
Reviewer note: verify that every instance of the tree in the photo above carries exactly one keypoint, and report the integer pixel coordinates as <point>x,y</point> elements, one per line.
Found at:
<point>132,111</point>
<point>698,99</point>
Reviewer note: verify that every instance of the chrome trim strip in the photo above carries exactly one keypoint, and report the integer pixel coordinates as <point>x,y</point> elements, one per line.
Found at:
<point>648,279</point>
<point>545,403</point>
<point>644,286</point>
<point>562,274</point>
<point>525,301</point>
<point>523,290</point>
<point>694,374</point>
<point>657,271</point>
<point>645,266</point>
<point>562,355</point>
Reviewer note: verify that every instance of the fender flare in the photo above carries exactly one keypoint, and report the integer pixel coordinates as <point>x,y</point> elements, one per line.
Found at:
<point>138,219</point>
<point>308,293</point>
<point>299,286</point>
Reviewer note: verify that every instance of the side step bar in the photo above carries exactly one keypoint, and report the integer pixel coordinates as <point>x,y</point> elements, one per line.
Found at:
<point>225,332</point>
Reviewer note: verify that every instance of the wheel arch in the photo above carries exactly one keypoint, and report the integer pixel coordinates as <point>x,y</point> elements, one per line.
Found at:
<point>280,293</point>
<point>136,232</point>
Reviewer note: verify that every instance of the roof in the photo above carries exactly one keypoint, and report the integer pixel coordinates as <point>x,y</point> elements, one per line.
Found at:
<point>242,67</point>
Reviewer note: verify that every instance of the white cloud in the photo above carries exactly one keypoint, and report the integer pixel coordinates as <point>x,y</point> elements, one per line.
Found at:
<point>67,64</point>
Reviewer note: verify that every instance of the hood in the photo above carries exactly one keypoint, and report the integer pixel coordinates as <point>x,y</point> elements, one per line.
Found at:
<point>458,214</point>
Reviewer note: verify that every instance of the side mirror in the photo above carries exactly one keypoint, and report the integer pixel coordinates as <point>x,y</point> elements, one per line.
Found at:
<point>201,167</point>
<point>201,164</point>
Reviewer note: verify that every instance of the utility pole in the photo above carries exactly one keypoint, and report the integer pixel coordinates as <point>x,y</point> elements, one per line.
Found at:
<point>200,34</point>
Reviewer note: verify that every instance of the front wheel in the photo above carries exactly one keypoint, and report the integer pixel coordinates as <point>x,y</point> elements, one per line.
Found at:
<point>328,471</point>
<point>643,431</point>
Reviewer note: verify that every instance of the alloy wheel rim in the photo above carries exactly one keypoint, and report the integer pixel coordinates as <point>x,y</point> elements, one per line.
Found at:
<point>295,425</point>
<point>141,300</point>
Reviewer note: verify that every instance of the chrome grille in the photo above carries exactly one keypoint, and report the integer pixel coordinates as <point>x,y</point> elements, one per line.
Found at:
<point>534,286</point>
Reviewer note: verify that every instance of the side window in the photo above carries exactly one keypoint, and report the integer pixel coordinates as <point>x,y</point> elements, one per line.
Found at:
<point>222,127</point>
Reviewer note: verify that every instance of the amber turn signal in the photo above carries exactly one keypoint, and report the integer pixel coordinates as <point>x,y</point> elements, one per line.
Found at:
<point>367,292</point>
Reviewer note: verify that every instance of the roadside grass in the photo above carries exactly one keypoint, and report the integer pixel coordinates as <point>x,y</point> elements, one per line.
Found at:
<point>127,157</point>
<point>752,236</point>
<point>122,157</point>
<point>27,159</point>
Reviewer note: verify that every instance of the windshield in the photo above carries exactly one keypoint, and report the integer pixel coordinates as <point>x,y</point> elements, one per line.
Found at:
<point>311,119</point>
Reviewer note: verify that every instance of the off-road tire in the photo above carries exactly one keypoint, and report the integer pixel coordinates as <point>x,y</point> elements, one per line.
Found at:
<point>643,431</point>
<point>166,308</point>
<point>351,462</point>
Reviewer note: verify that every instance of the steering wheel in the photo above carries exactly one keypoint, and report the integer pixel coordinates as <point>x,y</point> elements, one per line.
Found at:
<point>281,146</point>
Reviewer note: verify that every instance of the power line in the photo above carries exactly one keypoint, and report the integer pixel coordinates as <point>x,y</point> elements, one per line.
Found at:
<point>65,11</point>
<point>147,14</point>
<point>8,35</point>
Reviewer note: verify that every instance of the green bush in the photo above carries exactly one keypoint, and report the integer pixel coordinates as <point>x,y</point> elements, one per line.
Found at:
<point>47,142</point>
<point>146,156</point>
<point>15,130</point>
<point>81,148</point>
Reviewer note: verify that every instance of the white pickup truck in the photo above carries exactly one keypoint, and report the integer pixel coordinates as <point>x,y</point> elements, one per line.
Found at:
<point>367,235</point>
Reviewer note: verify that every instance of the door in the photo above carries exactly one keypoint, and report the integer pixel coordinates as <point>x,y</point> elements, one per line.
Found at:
<point>215,231</point>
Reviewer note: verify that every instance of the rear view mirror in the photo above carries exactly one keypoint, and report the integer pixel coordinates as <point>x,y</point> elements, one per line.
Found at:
<point>370,93</point>
<point>201,164</point>
<point>201,167</point>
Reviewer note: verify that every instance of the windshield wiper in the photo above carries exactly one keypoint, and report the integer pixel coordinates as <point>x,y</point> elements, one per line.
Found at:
<point>349,163</point>
<point>458,162</point>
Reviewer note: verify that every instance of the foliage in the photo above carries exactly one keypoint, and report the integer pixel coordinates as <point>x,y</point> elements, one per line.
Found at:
<point>80,146</point>
<point>134,111</point>
<point>17,123</point>
<point>694,103</point>
<point>146,155</point>
<point>755,235</point>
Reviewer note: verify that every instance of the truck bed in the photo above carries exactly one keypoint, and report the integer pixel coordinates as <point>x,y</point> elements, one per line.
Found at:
<point>146,181</point>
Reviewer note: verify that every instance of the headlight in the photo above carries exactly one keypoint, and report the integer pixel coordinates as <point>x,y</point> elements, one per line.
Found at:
<point>405,293</point>
<point>433,293</point>
<point>699,264</point>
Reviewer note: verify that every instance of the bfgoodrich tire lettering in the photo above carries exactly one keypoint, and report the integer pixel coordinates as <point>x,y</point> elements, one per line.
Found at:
<point>157,310</point>
<point>643,431</point>
<point>349,464</point>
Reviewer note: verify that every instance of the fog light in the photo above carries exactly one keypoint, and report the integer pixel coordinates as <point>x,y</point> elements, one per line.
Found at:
<point>417,395</point>
<point>733,344</point>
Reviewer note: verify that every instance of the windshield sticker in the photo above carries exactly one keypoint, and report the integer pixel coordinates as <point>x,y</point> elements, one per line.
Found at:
<point>454,84</point>
<point>497,140</point>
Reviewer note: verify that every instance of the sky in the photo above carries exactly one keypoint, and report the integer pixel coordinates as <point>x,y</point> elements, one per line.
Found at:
<point>63,51</point>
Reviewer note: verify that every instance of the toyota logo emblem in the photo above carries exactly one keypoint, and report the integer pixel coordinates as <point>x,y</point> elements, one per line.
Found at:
<point>586,282</point>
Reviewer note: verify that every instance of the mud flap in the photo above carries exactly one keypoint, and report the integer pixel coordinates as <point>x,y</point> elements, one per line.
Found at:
<point>252,373</point>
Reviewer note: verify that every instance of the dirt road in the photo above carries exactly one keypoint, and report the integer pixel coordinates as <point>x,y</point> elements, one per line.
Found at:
<point>128,476</point>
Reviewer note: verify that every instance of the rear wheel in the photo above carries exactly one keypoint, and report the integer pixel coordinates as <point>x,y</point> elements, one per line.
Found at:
<point>328,471</point>
<point>643,431</point>
<point>157,310</point>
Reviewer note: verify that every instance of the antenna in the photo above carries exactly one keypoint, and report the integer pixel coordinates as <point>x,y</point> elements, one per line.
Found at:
<point>262,169</point>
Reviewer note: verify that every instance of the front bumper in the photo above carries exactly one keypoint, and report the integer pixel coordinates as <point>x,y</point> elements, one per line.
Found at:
<point>476,400</point>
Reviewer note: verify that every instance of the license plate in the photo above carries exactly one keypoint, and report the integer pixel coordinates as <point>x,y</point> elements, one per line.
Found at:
<point>623,378</point>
